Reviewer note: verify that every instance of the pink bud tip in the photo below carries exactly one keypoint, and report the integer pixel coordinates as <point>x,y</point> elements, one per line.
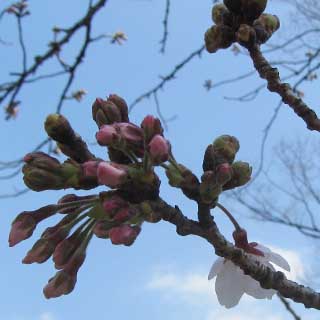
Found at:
<point>159,149</point>
<point>22,228</point>
<point>106,135</point>
<point>62,283</point>
<point>110,175</point>
<point>90,168</point>
<point>124,234</point>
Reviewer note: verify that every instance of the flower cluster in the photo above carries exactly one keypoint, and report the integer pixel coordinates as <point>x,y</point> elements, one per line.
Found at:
<point>221,172</point>
<point>241,21</point>
<point>117,214</point>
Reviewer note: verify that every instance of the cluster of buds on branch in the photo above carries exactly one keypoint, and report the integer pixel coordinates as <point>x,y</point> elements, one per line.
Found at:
<point>116,214</point>
<point>241,21</point>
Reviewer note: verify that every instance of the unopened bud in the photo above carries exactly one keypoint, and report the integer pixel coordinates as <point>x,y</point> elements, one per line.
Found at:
<point>151,126</point>
<point>246,36</point>
<point>209,188</point>
<point>252,9</point>
<point>58,128</point>
<point>226,146</point>
<point>65,249</point>
<point>241,175</point>
<point>219,37</point>
<point>159,149</point>
<point>105,112</point>
<point>111,174</point>
<point>233,5</point>
<point>90,168</point>
<point>124,234</point>
<point>62,283</point>
<point>122,106</point>
<point>219,11</point>
<point>224,173</point>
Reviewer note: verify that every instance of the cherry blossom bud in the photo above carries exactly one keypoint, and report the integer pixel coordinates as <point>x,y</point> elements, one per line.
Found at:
<point>107,135</point>
<point>226,146</point>
<point>123,215</point>
<point>65,249</point>
<point>265,26</point>
<point>59,128</point>
<point>124,234</point>
<point>151,127</point>
<point>246,36</point>
<point>113,205</point>
<point>122,106</point>
<point>252,9</point>
<point>233,5</point>
<point>101,229</point>
<point>111,175</point>
<point>105,112</point>
<point>90,168</point>
<point>45,246</point>
<point>209,188</point>
<point>184,179</point>
<point>241,175</point>
<point>22,228</point>
<point>25,223</point>
<point>149,214</point>
<point>219,37</point>
<point>270,22</point>
<point>130,133</point>
<point>62,283</point>
<point>219,11</point>
<point>224,173</point>
<point>65,280</point>
<point>159,149</point>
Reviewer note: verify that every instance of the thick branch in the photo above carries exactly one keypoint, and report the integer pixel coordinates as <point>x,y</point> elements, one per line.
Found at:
<point>267,278</point>
<point>266,71</point>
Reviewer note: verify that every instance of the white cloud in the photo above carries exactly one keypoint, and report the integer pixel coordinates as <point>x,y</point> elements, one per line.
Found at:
<point>192,288</point>
<point>46,316</point>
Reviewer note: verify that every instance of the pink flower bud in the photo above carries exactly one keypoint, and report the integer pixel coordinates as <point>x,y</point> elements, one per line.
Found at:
<point>101,229</point>
<point>62,283</point>
<point>107,135</point>
<point>151,126</point>
<point>121,104</point>
<point>123,215</point>
<point>65,249</point>
<point>22,228</point>
<point>111,175</point>
<point>224,173</point>
<point>90,168</point>
<point>45,246</point>
<point>113,205</point>
<point>130,132</point>
<point>159,149</point>
<point>124,234</point>
<point>25,223</point>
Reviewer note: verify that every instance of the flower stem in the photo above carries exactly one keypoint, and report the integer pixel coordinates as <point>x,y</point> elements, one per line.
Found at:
<point>230,216</point>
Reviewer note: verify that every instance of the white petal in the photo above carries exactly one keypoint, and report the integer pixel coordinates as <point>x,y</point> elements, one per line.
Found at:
<point>229,285</point>
<point>274,257</point>
<point>253,288</point>
<point>279,261</point>
<point>216,268</point>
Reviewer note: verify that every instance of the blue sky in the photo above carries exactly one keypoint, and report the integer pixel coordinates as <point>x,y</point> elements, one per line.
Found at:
<point>162,275</point>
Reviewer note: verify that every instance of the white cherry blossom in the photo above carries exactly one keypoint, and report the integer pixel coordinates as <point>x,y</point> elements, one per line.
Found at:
<point>232,283</point>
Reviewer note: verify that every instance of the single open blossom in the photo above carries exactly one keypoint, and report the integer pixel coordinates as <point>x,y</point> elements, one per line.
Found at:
<point>232,283</point>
